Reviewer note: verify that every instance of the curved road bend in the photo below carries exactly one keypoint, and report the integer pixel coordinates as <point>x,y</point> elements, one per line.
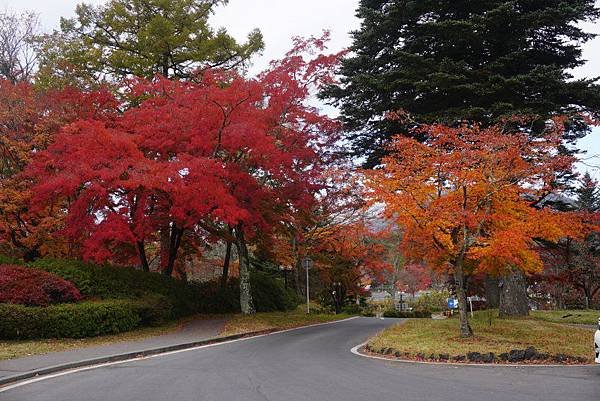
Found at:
<point>310,364</point>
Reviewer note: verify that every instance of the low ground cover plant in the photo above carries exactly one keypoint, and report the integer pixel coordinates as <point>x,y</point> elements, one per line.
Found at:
<point>31,287</point>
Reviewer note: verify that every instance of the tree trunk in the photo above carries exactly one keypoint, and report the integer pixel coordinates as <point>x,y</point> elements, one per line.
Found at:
<point>459,277</point>
<point>246,303</point>
<point>587,293</point>
<point>143,257</point>
<point>174,243</point>
<point>225,274</point>
<point>513,295</point>
<point>492,292</point>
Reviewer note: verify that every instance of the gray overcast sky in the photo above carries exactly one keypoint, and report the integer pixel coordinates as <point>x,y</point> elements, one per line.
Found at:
<point>279,20</point>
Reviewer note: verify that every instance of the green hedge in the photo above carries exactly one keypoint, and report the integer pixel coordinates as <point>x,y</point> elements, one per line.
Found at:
<point>406,314</point>
<point>268,295</point>
<point>132,298</point>
<point>112,282</point>
<point>85,319</point>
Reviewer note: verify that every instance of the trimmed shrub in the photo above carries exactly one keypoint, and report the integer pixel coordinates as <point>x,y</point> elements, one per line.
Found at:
<point>154,310</point>
<point>32,287</point>
<point>352,309</point>
<point>85,319</point>
<point>407,314</point>
<point>433,301</point>
<point>270,294</point>
<point>112,282</point>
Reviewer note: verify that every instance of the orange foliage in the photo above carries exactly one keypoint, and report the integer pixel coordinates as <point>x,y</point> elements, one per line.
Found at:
<point>471,193</point>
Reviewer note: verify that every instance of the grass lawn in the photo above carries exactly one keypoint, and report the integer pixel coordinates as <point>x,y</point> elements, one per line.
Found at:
<point>277,320</point>
<point>568,316</point>
<point>427,336</point>
<point>21,348</point>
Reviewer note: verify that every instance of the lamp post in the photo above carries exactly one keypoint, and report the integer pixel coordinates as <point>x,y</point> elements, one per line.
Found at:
<point>307,262</point>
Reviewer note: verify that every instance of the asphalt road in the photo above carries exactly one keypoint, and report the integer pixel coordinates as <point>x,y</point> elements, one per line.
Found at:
<point>312,364</point>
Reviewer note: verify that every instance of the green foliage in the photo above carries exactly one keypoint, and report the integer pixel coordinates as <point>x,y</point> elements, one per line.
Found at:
<point>140,38</point>
<point>588,194</point>
<point>433,301</point>
<point>86,319</point>
<point>8,260</point>
<point>447,61</point>
<point>132,298</point>
<point>109,282</point>
<point>352,309</point>
<point>269,294</point>
<point>155,310</point>
<point>407,314</point>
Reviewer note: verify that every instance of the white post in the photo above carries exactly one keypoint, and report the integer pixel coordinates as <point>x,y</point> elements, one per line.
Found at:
<point>307,291</point>
<point>307,262</point>
<point>471,305</point>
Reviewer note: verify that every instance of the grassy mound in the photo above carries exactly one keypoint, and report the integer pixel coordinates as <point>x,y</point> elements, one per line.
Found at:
<point>422,338</point>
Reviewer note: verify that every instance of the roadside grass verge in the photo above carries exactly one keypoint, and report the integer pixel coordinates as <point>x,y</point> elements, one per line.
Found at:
<point>240,324</point>
<point>22,348</point>
<point>568,316</point>
<point>425,337</point>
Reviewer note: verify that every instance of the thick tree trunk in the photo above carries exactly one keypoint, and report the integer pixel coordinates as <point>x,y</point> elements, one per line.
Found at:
<point>143,258</point>
<point>587,294</point>
<point>226,261</point>
<point>175,237</point>
<point>246,303</point>
<point>459,278</point>
<point>492,292</point>
<point>513,295</point>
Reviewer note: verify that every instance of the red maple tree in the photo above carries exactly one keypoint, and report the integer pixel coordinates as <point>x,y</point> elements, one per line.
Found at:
<point>223,155</point>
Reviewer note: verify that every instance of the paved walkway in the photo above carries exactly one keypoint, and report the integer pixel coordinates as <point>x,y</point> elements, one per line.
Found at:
<point>196,330</point>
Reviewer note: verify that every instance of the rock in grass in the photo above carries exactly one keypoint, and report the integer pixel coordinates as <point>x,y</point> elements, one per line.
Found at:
<point>560,358</point>
<point>530,353</point>
<point>474,357</point>
<point>459,358</point>
<point>516,355</point>
<point>444,357</point>
<point>490,357</point>
<point>504,356</point>
<point>542,357</point>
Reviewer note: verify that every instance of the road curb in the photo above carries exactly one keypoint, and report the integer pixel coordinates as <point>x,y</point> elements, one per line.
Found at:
<point>5,381</point>
<point>357,351</point>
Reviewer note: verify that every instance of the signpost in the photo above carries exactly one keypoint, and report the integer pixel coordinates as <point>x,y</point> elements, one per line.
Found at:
<point>307,262</point>
<point>452,303</point>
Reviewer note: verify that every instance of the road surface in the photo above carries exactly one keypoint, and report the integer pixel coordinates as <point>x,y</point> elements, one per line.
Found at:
<point>310,364</point>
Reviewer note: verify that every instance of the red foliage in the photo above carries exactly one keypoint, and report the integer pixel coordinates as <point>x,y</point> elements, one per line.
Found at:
<point>32,287</point>
<point>414,277</point>
<point>190,157</point>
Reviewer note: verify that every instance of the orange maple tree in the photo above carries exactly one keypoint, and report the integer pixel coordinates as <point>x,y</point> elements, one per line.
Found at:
<point>466,199</point>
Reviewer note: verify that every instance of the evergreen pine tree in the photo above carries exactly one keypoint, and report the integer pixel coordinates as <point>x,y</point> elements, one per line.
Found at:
<point>454,60</point>
<point>588,195</point>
